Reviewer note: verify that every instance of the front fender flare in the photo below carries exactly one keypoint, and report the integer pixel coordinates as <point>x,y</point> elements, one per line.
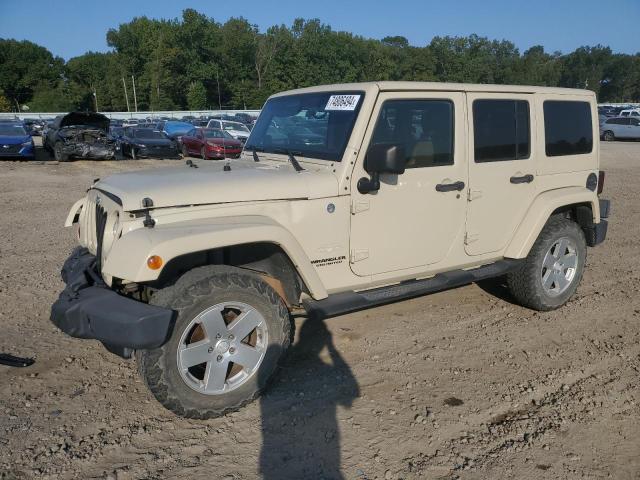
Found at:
<point>75,209</point>
<point>127,259</point>
<point>540,211</point>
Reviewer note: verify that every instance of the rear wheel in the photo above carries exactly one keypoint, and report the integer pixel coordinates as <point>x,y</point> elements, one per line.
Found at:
<point>230,333</point>
<point>185,151</point>
<point>132,152</point>
<point>609,136</point>
<point>550,274</point>
<point>203,153</point>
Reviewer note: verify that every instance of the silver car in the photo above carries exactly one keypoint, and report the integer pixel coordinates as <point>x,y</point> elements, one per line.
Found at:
<point>620,127</point>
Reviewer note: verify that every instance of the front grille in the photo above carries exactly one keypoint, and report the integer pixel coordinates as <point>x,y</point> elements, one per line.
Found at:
<point>8,149</point>
<point>101,222</point>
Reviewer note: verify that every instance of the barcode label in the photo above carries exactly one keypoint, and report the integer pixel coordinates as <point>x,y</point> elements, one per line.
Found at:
<point>342,102</point>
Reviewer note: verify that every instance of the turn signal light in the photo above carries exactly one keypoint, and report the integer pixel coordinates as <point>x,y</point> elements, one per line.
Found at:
<point>154,262</point>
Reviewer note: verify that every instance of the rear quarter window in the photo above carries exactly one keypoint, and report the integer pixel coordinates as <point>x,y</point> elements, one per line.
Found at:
<point>567,128</point>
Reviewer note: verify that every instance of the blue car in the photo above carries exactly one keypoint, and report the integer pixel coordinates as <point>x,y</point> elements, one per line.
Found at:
<point>15,142</point>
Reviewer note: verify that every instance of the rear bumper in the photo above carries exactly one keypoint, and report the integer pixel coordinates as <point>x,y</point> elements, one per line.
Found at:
<point>86,308</point>
<point>598,232</point>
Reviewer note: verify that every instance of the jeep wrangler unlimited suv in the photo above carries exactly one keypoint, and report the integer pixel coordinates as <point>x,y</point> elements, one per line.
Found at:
<point>345,197</point>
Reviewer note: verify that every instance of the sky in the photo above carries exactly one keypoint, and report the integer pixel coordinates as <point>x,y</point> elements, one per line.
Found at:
<point>71,27</point>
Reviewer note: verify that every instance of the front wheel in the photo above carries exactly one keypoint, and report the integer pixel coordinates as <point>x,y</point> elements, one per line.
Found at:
<point>550,274</point>
<point>58,153</point>
<point>230,333</point>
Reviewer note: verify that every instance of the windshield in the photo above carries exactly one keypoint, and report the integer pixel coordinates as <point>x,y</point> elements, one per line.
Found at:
<point>12,130</point>
<point>314,125</point>
<point>148,133</point>
<point>214,133</point>
<point>235,126</point>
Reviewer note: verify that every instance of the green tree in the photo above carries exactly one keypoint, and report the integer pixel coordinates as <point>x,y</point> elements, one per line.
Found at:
<point>176,63</point>
<point>197,96</point>
<point>25,66</point>
<point>5,105</point>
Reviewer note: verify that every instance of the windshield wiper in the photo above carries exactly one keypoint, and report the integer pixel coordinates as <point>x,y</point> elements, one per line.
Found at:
<point>292,159</point>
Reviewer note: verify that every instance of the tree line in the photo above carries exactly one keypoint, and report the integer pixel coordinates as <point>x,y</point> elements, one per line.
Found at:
<point>197,63</point>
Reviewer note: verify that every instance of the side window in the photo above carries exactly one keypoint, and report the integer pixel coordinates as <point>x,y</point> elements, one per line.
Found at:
<point>424,128</point>
<point>501,130</point>
<point>567,128</point>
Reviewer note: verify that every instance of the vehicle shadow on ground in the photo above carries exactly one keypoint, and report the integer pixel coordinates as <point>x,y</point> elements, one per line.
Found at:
<point>300,431</point>
<point>498,288</point>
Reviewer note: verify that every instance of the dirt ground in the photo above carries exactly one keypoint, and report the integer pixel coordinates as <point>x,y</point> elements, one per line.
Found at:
<point>460,384</point>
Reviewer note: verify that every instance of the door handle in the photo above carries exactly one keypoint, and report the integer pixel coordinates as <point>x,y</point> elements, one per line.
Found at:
<point>450,187</point>
<point>528,178</point>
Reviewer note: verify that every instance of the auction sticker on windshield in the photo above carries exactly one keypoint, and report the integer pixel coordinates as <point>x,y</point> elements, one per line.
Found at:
<point>342,102</point>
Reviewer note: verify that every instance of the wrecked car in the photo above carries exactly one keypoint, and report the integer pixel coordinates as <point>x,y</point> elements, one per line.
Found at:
<point>80,135</point>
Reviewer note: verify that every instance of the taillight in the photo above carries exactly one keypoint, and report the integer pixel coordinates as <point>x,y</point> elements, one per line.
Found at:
<point>600,182</point>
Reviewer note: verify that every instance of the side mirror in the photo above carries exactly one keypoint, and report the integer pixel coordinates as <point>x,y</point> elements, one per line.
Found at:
<point>382,158</point>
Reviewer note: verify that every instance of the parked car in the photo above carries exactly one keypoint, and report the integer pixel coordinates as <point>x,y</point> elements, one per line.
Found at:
<point>116,131</point>
<point>210,143</point>
<point>246,118</point>
<point>632,112</point>
<point>80,135</point>
<point>16,141</point>
<point>147,143</point>
<point>238,130</point>
<point>175,130</point>
<point>620,127</point>
<point>199,123</point>
<point>391,206</point>
<point>33,126</point>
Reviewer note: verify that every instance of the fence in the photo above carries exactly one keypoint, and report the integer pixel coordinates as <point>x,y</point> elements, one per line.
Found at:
<point>177,114</point>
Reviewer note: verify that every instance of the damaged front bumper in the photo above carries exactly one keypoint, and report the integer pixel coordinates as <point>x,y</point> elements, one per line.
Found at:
<point>87,308</point>
<point>86,150</point>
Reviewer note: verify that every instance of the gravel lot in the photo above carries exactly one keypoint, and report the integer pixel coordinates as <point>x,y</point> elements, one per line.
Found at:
<point>458,384</point>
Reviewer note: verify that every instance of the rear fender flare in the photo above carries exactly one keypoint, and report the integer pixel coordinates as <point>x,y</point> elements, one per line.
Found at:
<point>540,211</point>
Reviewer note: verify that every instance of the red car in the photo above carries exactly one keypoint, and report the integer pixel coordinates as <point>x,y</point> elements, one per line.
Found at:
<point>210,143</point>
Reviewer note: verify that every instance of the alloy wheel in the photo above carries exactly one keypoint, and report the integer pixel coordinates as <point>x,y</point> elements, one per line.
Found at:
<point>222,347</point>
<point>559,266</point>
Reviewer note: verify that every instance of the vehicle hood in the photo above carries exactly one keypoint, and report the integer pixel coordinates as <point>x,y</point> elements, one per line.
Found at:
<point>155,142</point>
<point>210,184</point>
<point>239,133</point>
<point>231,142</point>
<point>89,119</point>
<point>14,140</point>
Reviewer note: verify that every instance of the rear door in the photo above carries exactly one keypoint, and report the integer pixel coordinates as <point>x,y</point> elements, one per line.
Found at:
<point>622,127</point>
<point>634,128</point>
<point>502,168</point>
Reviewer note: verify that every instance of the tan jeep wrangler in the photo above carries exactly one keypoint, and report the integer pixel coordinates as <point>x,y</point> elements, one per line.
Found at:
<point>345,197</point>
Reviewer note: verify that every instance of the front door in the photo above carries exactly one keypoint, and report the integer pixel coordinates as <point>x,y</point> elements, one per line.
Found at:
<point>502,168</point>
<point>415,217</point>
